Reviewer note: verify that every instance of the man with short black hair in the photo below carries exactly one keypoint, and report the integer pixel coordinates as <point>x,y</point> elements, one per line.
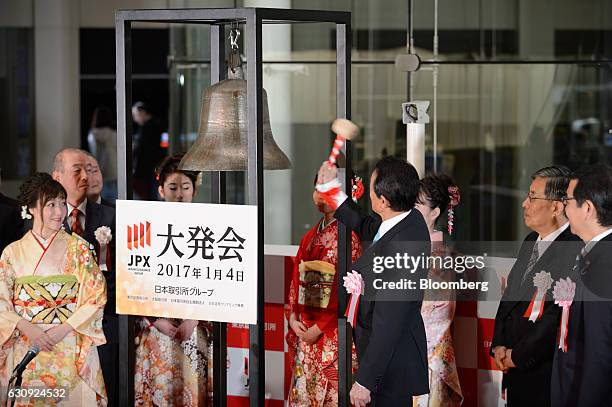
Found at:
<point>524,335</point>
<point>582,367</point>
<point>389,332</point>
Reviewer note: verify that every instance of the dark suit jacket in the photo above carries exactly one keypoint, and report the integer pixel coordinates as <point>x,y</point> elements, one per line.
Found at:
<point>389,334</point>
<point>106,202</point>
<point>582,376</point>
<point>10,221</point>
<point>97,215</point>
<point>532,343</point>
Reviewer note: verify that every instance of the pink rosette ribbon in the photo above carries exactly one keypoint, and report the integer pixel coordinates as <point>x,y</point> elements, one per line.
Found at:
<point>563,293</point>
<point>353,282</point>
<point>542,282</point>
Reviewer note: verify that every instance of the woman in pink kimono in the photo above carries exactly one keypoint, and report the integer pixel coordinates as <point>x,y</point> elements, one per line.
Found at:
<point>52,296</point>
<point>439,194</point>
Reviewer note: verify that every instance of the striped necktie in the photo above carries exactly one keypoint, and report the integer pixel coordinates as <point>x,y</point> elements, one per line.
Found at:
<point>76,222</point>
<point>535,255</point>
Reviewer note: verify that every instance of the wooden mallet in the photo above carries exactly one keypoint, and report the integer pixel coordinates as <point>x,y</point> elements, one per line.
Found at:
<point>344,130</point>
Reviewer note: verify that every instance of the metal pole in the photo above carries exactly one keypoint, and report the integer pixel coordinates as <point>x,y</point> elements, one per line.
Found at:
<point>253,39</point>
<point>217,73</point>
<point>343,108</point>
<point>123,41</point>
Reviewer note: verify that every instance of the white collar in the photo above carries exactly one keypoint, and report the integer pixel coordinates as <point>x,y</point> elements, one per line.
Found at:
<point>81,207</point>
<point>552,236</point>
<point>389,223</point>
<point>44,242</point>
<point>589,245</point>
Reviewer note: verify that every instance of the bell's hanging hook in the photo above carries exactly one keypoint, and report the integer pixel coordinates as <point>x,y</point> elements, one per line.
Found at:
<point>233,37</point>
<point>234,58</point>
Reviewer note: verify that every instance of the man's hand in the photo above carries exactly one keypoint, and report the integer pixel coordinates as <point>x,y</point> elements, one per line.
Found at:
<point>185,329</point>
<point>312,334</point>
<point>327,172</point>
<point>508,363</point>
<point>298,327</point>
<point>499,353</point>
<point>165,326</point>
<point>59,332</point>
<point>360,396</point>
<point>35,335</point>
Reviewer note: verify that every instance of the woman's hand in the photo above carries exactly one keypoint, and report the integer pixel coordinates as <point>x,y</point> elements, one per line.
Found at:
<point>165,326</point>
<point>327,172</point>
<point>185,329</point>
<point>297,327</point>
<point>312,334</point>
<point>36,336</point>
<point>59,332</point>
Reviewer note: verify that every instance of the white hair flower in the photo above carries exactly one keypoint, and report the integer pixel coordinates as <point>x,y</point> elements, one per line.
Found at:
<point>24,212</point>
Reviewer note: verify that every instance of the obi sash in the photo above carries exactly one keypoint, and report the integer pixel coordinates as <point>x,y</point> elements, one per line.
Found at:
<point>45,299</point>
<point>316,283</point>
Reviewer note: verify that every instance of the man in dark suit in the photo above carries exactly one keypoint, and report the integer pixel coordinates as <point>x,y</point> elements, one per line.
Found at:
<point>11,223</point>
<point>389,332</point>
<point>84,218</point>
<point>148,151</point>
<point>524,341</point>
<point>582,370</point>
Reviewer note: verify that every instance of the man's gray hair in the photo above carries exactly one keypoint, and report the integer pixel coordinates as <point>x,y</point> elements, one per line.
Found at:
<point>557,180</point>
<point>58,161</point>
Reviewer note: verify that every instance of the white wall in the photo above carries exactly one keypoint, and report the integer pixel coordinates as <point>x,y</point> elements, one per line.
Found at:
<point>56,56</point>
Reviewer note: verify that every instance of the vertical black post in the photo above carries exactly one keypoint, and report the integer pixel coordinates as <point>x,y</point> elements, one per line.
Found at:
<point>257,371</point>
<point>217,72</point>
<point>343,108</point>
<point>123,41</point>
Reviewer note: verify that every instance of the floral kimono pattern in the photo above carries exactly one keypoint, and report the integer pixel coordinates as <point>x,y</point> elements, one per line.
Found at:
<point>314,300</point>
<point>50,283</point>
<point>172,373</point>
<point>438,314</point>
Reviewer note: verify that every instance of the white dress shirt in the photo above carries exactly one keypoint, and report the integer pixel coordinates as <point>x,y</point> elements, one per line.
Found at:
<point>545,242</point>
<point>596,239</point>
<point>388,224</point>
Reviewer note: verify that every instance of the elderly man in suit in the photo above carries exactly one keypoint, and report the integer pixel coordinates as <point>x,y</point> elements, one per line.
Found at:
<point>70,168</point>
<point>389,331</point>
<point>582,368</point>
<point>523,344</point>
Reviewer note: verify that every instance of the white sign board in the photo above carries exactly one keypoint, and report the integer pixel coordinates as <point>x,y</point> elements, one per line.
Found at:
<point>187,260</point>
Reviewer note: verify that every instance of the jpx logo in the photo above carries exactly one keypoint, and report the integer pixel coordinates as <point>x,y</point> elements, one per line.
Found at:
<point>138,235</point>
<point>137,260</point>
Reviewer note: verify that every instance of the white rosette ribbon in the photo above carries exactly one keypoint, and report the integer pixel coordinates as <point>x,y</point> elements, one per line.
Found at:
<point>104,236</point>
<point>542,281</point>
<point>353,282</point>
<point>563,293</point>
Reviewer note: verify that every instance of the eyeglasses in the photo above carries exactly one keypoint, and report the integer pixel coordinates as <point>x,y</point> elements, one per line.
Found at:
<point>535,198</point>
<point>567,198</point>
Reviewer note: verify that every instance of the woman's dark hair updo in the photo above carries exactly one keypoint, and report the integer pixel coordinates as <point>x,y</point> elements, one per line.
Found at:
<point>434,191</point>
<point>169,166</point>
<point>40,187</point>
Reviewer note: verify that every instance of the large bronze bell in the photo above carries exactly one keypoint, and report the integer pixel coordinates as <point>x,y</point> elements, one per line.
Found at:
<point>222,140</point>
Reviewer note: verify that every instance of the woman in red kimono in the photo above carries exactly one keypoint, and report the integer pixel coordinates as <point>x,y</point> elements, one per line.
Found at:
<point>313,312</point>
